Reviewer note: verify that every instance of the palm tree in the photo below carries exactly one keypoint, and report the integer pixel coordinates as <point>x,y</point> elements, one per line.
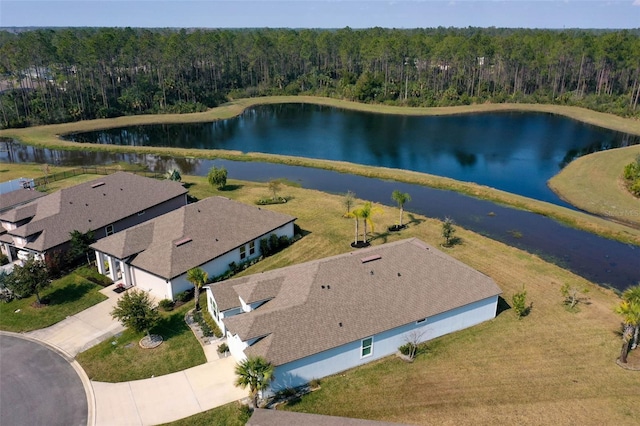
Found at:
<point>174,175</point>
<point>366,213</point>
<point>631,318</point>
<point>197,277</point>
<point>632,295</point>
<point>256,374</point>
<point>401,198</point>
<point>356,215</point>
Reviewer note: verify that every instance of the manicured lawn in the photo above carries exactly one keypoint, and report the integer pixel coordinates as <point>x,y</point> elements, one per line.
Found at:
<point>233,414</point>
<point>121,359</point>
<point>66,296</point>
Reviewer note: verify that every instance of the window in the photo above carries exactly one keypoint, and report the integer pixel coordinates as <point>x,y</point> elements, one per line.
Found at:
<point>367,347</point>
<point>109,230</point>
<point>243,252</point>
<point>252,248</point>
<point>420,321</point>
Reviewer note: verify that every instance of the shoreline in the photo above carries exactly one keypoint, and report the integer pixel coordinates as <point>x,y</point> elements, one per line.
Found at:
<point>48,137</point>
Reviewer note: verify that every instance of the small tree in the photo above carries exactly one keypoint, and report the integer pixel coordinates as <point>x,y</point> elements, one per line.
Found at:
<point>254,373</point>
<point>630,313</point>
<point>80,244</point>
<point>198,278</point>
<point>30,278</point>
<point>401,198</point>
<point>447,231</point>
<point>632,295</point>
<point>572,295</point>
<point>348,202</point>
<point>174,175</point>
<point>217,177</point>
<point>520,304</point>
<point>135,310</point>
<point>274,186</point>
<point>366,212</point>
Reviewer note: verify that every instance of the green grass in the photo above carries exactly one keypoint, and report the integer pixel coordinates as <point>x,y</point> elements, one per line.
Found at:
<point>234,414</point>
<point>121,359</point>
<point>66,296</point>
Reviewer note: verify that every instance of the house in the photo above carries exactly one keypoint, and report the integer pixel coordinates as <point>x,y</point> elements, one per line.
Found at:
<point>211,234</point>
<point>319,318</point>
<point>262,417</point>
<point>105,206</point>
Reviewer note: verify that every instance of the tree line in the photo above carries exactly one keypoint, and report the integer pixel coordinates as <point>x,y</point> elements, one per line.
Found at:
<point>59,75</point>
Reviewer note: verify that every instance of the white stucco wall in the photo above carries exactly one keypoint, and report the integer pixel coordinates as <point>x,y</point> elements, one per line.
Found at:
<point>338,359</point>
<point>157,286</point>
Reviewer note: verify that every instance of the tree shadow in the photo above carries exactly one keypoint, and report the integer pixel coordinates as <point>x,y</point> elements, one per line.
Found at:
<point>414,220</point>
<point>187,185</point>
<point>69,293</point>
<point>171,326</point>
<point>382,236</point>
<point>454,241</point>
<point>234,187</point>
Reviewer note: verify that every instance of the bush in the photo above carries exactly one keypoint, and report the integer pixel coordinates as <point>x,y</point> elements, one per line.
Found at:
<point>166,305</point>
<point>185,296</point>
<point>409,349</point>
<point>223,348</point>
<point>4,260</point>
<point>520,304</point>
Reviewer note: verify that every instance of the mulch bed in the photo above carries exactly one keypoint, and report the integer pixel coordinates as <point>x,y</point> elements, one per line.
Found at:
<point>396,228</point>
<point>151,342</point>
<point>633,360</point>
<point>360,244</point>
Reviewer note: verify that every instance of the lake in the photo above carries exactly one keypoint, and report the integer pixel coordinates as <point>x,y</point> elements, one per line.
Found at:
<point>513,151</point>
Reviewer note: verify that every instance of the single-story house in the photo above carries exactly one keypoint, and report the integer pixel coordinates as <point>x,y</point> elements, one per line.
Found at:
<point>105,206</point>
<point>262,417</point>
<point>211,234</point>
<point>319,318</point>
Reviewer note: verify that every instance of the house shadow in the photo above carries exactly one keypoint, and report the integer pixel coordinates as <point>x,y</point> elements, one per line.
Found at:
<point>69,293</point>
<point>503,305</point>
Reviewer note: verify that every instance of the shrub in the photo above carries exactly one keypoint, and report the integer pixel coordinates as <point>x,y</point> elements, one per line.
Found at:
<point>223,348</point>
<point>409,349</point>
<point>4,260</point>
<point>520,304</point>
<point>166,305</point>
<point>185,296</point>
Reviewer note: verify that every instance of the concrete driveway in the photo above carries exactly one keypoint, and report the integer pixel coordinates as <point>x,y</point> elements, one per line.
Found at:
<point>85,329</point>
<point>167,398</point>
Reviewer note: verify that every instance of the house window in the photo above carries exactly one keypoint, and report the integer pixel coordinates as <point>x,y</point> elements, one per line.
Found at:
<point>252,248</point>
<point>367,347</point>
<point>243,252</point>
<point>109,230</point>
<point>420,321</point>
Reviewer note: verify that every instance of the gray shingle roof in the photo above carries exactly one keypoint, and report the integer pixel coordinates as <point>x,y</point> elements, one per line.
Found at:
<point>210,228</point>
<point>333,301</point>
<point>262,417</point>
<point>89,206</point>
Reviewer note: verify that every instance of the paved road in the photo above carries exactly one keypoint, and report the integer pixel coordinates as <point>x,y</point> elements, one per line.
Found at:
<point>38,386</point>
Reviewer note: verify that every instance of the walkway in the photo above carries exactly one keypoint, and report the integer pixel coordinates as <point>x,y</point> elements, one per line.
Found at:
<point>142,402</point>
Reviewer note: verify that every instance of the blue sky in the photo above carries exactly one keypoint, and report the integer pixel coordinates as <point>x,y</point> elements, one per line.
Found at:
<point>323,13</point>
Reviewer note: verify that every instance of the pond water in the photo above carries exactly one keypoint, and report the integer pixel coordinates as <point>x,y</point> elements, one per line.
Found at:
<point>512,151</point>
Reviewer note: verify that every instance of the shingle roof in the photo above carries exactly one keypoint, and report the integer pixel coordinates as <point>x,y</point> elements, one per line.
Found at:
<point>262,417</point>
<point>17,197</point>
<point>206,230</point>
<point>333,301</point>
<point>89,206</point>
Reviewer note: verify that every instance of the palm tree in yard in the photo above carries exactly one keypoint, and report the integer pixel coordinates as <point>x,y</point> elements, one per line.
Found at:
<point>198,278</point>
<point>366,213</point>
<point>630,313</point>
<point>632,295</point>
<point>401,198</point>
<point>355,213</point>
<point>255,373</point>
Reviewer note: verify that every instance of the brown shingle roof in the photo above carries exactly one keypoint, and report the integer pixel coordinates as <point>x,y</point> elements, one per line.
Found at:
<point>204,231</point>
<point>330,302</point>
<point>262,417</point>
<point>17,197</point>
<point>87,207</point>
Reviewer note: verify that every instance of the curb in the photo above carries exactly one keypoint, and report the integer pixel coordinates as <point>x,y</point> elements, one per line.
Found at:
<point>86,383</point>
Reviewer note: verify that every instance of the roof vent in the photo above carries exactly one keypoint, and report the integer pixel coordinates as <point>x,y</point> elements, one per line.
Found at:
<point>182,241</point>
<point>370,258</point>
<point>328,287</point>
<point>399,274</point>
<point>340,324</point>
<point>97,184</point>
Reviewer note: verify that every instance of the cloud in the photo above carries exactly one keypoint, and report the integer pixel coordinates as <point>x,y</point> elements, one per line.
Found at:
<point>636,2</point>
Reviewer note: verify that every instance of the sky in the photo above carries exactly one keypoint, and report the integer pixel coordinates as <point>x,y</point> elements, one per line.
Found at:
<point>322,13</point>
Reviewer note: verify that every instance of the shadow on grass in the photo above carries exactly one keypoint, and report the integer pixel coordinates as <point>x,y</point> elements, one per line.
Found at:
<point>228,188</point>
<point>382,236</point>
<point>171,326</point>
<point>414,220</point>
<point>69,293</point>
<point>503,305</point>
<point>454,241</point>
<point>187,185</point>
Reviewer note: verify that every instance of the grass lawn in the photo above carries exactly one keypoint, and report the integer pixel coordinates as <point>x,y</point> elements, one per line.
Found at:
<point>234,414</point>
<point>552,367</point>
<point>121,359</point>
<point>66,296</point>
<point>594,183</point>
